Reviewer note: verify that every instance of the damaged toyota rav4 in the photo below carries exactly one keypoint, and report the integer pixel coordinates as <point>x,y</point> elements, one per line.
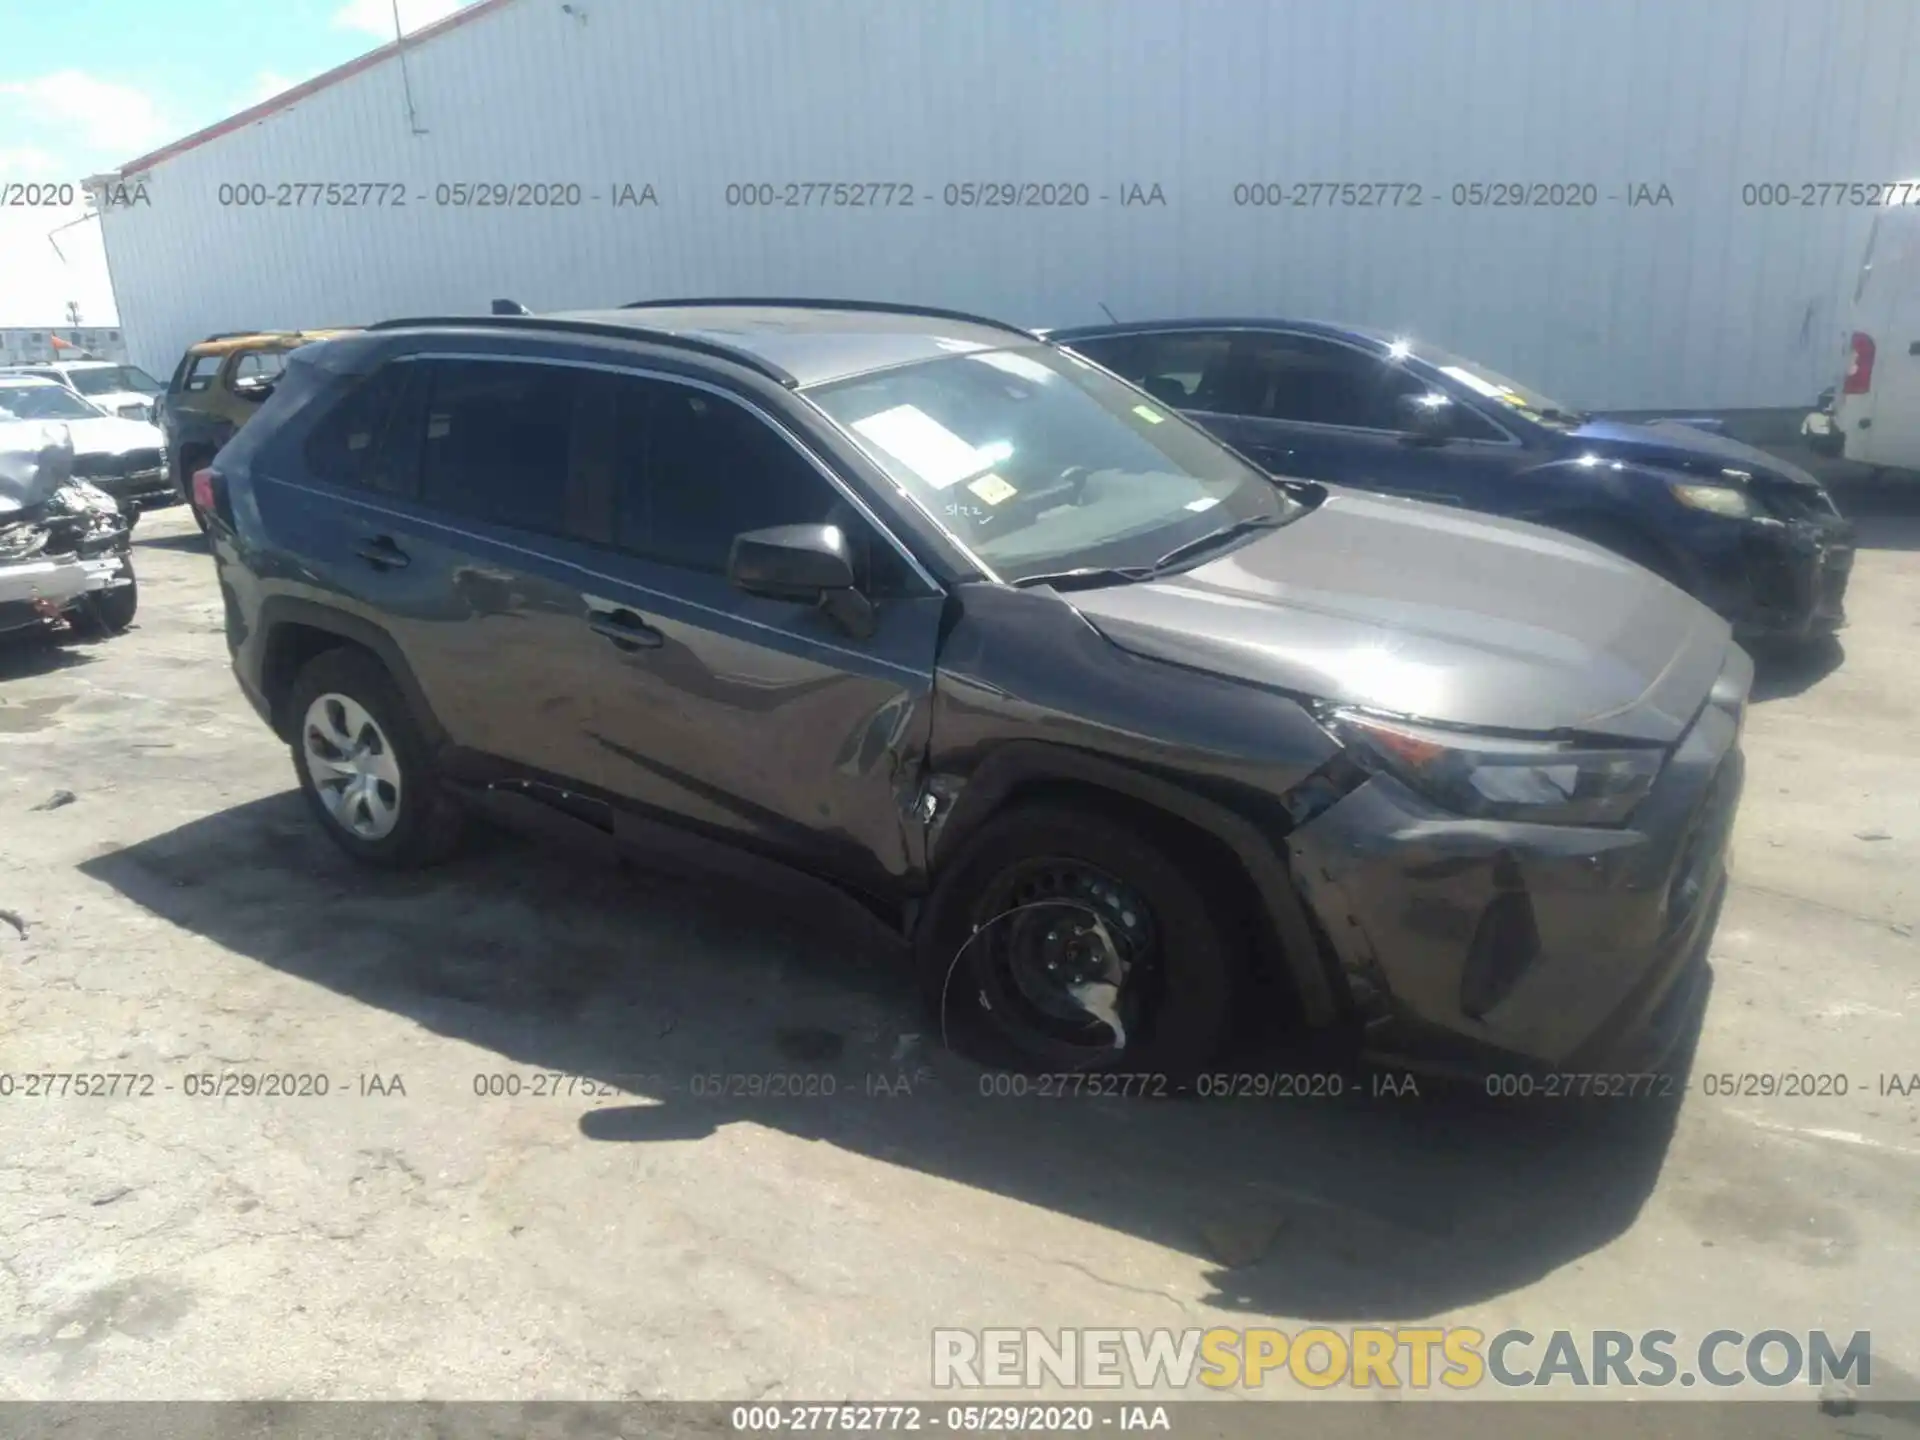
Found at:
<point>912,609</point>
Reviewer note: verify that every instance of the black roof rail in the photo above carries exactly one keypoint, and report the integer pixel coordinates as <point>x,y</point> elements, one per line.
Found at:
<point>606,329</point>
<point>884,307</point>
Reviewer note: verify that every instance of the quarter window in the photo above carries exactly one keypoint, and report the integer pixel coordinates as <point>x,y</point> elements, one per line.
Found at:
<point>364,442</point>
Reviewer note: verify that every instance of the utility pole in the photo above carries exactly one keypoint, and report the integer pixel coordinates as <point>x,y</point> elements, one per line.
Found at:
<point>73,312</point>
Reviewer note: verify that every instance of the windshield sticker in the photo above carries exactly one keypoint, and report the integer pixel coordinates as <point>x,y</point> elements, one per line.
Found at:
<point>1148,414</point>
<point>925,446</point>
<point>1474,383</point>
<point>992,489</point>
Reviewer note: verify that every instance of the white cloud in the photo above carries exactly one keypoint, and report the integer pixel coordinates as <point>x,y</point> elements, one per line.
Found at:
<point>375,17</point>
<point>106,115</point>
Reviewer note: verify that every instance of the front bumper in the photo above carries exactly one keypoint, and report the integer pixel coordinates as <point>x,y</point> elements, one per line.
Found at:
<point>32,591</point>
<point>1471,947</point>
<point>1780,580</point>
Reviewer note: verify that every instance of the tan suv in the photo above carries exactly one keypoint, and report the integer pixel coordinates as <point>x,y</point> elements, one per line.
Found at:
<point>217,386</point>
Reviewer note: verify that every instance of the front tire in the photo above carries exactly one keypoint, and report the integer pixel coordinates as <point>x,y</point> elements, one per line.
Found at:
<point>1069,936</point>
<point>365,769</point>
<point>105,613</point>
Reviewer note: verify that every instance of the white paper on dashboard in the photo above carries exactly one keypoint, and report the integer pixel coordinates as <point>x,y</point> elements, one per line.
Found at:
<point>925,446</point>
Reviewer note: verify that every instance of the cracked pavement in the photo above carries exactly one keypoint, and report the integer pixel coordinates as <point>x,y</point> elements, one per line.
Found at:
<point>631,1235</point>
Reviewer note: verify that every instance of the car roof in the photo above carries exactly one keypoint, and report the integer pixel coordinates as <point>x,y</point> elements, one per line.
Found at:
<point>1332,330</point>
<point>246,339</point>
<point>797,342</point>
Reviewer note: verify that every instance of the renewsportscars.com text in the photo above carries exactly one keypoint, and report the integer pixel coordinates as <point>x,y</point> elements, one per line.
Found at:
<point>1456,1357</point>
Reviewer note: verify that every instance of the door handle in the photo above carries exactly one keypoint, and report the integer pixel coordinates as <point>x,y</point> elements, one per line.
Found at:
<point>381,553</point>
<point>625,629</point>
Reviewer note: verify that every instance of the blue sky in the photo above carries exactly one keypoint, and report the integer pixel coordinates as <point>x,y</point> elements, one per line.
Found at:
<point>87,85</point>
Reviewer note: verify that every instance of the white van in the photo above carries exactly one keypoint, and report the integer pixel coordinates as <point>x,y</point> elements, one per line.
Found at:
<point>1876,406</point>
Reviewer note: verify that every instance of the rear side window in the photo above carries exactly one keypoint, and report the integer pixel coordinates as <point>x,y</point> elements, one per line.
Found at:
<point>201,372</point>
<point>363,441</point>
<point>500,439</point>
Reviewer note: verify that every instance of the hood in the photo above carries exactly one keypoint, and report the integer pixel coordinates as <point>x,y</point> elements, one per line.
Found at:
<point>36,459</point>
<point>1675,443</point>
<point>110,435</point>
<point>1428,611</point>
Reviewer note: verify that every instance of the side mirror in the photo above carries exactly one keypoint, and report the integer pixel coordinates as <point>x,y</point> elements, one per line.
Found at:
<point>806,564</point>
<point>253,387</point>
<point>1427,418</point>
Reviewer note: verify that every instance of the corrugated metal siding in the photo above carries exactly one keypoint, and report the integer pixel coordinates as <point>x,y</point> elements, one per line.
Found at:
<point>1706,303</point>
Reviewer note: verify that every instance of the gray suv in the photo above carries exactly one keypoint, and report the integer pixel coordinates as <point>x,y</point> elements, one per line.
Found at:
<point>916,612</point>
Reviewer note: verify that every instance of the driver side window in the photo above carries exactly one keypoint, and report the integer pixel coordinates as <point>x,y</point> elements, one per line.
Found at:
<point>691,470</point>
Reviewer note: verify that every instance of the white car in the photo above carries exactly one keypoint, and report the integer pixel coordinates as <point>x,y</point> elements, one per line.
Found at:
<point>123,390</point>
<point>125,458</point>
<point>1875,417</point>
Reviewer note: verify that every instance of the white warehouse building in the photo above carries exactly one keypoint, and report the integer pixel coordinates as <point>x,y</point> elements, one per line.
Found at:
<point>1630,205</point>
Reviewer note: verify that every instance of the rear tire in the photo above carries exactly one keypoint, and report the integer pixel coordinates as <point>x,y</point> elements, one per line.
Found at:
<point>365,769</point>
<point>1048,887</point>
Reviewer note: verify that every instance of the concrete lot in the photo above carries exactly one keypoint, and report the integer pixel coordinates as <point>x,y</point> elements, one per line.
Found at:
<point>182,915</point>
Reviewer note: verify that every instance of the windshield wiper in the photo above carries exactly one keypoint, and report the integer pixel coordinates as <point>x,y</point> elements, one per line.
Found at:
<point>1218,537</point>
<point>1086,575</point>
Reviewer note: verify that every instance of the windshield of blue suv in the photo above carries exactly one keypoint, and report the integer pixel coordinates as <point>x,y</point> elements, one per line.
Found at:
<point>1492,385</point>
<point>1040,463</point>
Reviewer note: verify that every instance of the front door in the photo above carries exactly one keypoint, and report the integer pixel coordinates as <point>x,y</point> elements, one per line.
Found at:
<point>760,721</point>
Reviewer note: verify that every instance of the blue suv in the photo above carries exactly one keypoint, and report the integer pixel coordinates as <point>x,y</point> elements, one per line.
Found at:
<point>1756,538</point>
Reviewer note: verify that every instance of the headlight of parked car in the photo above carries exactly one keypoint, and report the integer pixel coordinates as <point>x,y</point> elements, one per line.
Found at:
<point>1491,777</point>
<point>1717,499</point>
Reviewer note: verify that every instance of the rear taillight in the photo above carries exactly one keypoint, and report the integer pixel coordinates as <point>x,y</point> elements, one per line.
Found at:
<point>203,497</point>
<point>1859,364</point>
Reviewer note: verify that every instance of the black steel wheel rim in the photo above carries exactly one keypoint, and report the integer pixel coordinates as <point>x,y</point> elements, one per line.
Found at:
<point>1065,955</point>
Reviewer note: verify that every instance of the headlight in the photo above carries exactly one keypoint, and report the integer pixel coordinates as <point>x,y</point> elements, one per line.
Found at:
<point>1716,499</point>
<point>1490,777</point>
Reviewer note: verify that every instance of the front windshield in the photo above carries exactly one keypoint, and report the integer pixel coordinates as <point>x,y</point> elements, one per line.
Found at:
<point>1039,463</point>
<point>113,379</point>
<point>43,402</point>
<point>1495,386</point>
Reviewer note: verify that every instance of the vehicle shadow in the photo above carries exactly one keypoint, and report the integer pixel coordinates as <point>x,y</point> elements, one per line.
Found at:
<point>187,540</point>
<point>1783,671</point>
<point>687,996</point>
<point>38,652</point>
